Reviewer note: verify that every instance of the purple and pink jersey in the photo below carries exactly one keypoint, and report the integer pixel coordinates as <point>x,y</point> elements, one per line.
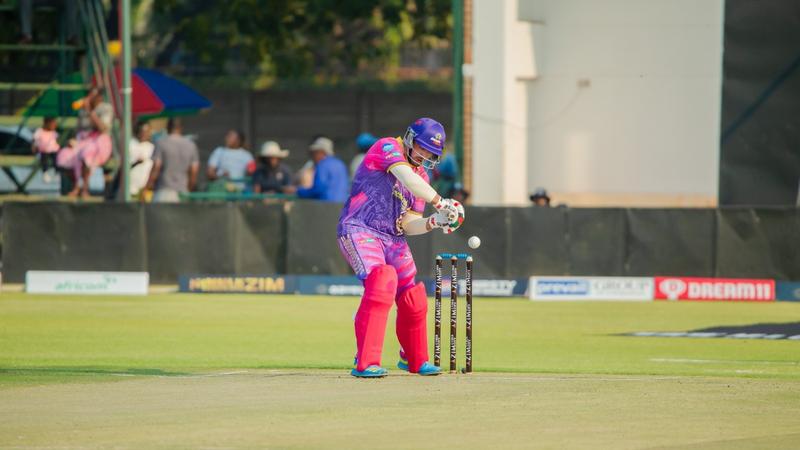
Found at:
<point>378,201</point>
<point>370,231</point>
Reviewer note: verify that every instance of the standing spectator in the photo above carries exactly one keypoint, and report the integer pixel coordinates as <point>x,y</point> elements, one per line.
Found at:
<point>141,159</point>
<point>175,165</point>
<point>93,143</point>
<point>70,13</point>
<point>330,175</point>
<point>45,145</point>
<point>272,175</point>
<point>230,162</point>
<point>364,141</point>
<point>304,178</point>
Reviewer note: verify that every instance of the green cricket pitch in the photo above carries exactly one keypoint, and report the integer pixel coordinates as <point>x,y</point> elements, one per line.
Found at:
<point>248,371</point>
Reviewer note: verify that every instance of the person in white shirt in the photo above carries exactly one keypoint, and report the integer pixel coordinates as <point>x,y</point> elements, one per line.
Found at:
<point>141,158</point>
<point>231,161</point>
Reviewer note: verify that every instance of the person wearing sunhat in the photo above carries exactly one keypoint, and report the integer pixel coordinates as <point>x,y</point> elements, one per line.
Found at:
<point>331,183</point>
<point>272,175</point>
<point>540,198</point>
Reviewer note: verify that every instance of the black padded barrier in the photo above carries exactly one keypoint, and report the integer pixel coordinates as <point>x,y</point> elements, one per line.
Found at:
<point>63,236</point>
<point>596,240</point>
<point>761,242</point>
<point>536,242</point>
<point>261,239</point>
<point>490,224</point>
<point>422,249</point>
<point>190,238</point>
<point>300,238</point>
<point>311,245</point>
<point>670,242</point>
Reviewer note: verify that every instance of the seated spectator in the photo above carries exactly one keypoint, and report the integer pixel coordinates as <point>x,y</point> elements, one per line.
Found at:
<point>330,175</point>
<point>364,141</point>
<point>45,145</point>
<point>70,13</point>
<point>141,158</point>
<point>272,175</point>
<point>93,141</point>
<point>540,198</point>
<point>230,162</point>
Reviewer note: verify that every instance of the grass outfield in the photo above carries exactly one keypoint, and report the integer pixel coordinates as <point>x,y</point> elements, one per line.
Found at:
<point>254,371</point>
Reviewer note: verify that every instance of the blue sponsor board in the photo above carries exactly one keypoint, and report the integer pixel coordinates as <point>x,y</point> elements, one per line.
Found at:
<point>561,287</point>
<point>787,291</point>
<point>271,284</point>
<point>482,287</point>
<point>329,285</point>
<point>241,284</point>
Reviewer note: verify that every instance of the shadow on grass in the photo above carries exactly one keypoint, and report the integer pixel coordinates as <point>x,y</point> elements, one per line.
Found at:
<point>87,370</point>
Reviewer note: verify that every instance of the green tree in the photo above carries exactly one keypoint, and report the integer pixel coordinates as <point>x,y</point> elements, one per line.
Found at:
<point>321,40</point>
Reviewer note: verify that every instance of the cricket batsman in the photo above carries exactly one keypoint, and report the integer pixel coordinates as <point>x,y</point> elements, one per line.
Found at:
<point>386,204</point>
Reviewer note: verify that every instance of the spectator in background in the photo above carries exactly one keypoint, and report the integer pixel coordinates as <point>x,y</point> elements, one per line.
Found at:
<point>93,141</point>
<point>444,177</point>
<point>272,175</point>
<point>70,14</point>
<point>175,165</point>
<point>459,193</point>
<point>540,198</point>
<point>45,145</point>
<point>230,162</point>
<point>304,178</point>
<point>330,175</point>
<point>364,141</point>
<point>141,157</point>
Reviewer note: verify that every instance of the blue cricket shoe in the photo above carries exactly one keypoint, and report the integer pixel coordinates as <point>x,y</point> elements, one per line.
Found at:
<point>426,369</point>
<point>372,371</point>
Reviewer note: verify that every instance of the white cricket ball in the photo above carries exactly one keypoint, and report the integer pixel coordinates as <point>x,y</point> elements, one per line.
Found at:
<point>474,242</point>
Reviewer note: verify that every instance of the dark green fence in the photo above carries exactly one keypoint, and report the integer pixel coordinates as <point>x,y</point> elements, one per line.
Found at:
<point>300,238</point>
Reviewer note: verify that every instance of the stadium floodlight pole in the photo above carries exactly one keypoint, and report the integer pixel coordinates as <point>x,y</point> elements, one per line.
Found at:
<point>125,12</point>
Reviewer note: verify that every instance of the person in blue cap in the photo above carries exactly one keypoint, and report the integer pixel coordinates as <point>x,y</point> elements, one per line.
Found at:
<point>364,141</point>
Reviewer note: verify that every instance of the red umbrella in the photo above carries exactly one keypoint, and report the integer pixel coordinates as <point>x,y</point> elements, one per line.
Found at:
<point>156,94</point>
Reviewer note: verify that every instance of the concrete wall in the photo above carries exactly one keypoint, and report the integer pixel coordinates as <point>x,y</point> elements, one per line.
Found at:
<point>619,105</point>
<point>500,148</point>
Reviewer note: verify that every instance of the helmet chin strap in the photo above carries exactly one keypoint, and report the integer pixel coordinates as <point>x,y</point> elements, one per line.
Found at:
<point>410,154</point>
<point>410,157</point>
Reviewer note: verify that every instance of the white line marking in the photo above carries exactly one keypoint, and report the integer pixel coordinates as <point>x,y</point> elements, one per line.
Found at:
<point>200,375</point>
<point>723,361</point>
